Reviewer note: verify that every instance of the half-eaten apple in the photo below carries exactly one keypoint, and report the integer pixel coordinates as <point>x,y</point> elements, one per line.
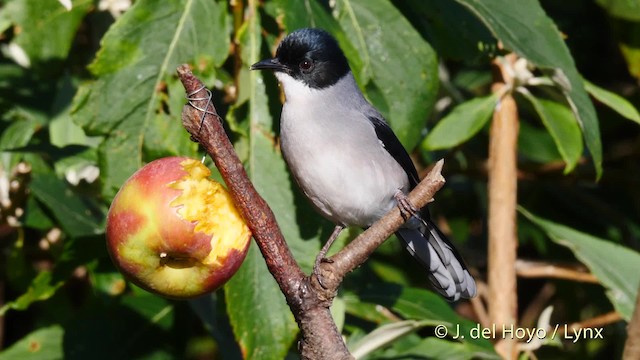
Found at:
<point>174,231</point>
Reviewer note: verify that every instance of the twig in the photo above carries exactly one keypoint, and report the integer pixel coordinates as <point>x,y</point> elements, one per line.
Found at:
<point>503,242</point>
<point>632,345</point>
<point>479,306</point>
<point>538,269</point>
<point>596,322</point>
<point>308,301</point>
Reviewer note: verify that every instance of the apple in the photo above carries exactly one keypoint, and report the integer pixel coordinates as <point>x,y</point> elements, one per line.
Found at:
<point>174,231</point>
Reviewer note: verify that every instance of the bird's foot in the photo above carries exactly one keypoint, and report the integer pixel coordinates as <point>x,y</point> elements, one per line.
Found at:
<point>316,269</point>
<point>321,258</point>
<point>407,209</point>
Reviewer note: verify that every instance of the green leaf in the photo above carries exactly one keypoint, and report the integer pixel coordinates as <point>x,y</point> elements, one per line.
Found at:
<point>434,348</point>
<point>47,29</point>
<point>462,123</point>
<point>622,280</point>
<point>400,77</point>
<point>42,288</point>
<point>17,134</point>
<point>62,130</point>
<point>384,335</point>
<point>78,215</point>
<point>423,305</point>
<point>561,124</point>
<point>616,102</point>
<point>537,144</point>
<point>627,34</point>
<point>524,27</point>
<point>624,9</point>
<point>139,53</point>
<point>468,41</point>
<point>142,326</point>
<point>42,344</point>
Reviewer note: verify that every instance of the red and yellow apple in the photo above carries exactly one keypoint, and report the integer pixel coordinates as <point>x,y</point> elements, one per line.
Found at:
<point>174,231</point>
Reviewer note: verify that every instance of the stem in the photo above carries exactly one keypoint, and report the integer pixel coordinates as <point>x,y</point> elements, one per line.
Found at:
<point>503,240</point>
<point>632,346</point>
<point>596,322</point>
<point>538,269</point>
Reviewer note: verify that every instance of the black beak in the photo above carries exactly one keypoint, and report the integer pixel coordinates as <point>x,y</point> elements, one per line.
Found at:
<point>269,64</point>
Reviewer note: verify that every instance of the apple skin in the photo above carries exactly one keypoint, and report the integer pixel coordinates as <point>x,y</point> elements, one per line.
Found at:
<point>175,232</point>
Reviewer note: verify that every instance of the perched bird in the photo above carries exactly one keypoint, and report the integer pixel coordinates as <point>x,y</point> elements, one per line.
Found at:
<point>347,160</point>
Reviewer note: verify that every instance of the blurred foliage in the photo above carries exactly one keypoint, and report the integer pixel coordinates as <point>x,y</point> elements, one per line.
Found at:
<point>88,94</point>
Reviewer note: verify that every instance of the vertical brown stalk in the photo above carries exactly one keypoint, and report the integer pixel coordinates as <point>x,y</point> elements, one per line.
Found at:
<point>632,345</point>
<point>503,240</point>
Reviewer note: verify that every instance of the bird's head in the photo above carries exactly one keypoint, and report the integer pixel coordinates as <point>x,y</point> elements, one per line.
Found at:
<point>310,56</point>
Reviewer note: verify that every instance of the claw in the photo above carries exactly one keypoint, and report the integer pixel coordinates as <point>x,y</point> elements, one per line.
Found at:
<point>407,209</point>
<point>323,253</point>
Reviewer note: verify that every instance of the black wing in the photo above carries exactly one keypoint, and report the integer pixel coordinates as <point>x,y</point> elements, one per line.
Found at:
<point>391,143</point>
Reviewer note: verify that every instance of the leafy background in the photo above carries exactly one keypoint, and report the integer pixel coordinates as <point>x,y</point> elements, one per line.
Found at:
<point>88,94</point>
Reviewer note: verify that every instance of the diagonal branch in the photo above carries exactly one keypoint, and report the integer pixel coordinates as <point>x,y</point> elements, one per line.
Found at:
<point>309,302</point>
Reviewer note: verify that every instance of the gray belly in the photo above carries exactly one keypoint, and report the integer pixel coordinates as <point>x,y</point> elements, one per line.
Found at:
<point>348,186</point>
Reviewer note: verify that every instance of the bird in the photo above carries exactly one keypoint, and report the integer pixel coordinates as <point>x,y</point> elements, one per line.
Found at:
<point>347,160</point>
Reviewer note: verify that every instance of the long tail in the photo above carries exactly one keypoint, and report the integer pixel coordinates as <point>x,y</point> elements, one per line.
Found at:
<point>447,271</point>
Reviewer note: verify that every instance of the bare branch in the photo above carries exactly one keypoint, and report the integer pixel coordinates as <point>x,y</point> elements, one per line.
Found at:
<point>538,269</point>
<point>595,322</point>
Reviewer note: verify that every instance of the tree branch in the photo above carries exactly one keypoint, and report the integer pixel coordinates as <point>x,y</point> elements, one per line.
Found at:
<point>595,322</point>
<point>539,269</point>
<point>308,301</point>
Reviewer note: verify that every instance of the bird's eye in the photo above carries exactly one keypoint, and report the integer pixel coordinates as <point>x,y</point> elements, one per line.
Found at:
<point>306,65</point>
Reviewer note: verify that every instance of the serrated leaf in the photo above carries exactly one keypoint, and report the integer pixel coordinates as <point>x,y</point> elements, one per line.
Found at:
<point>464,121</point>
<point>399,77</point>
<point>139,53</point>
<point>560,122</point>
<point>42,344</point>
<point>524,28</point>
<point>614,101</point>
<point>622,280</point>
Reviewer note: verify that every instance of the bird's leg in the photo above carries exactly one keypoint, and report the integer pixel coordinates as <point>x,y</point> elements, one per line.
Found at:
<point>407,210</point>
<point>323,252</point>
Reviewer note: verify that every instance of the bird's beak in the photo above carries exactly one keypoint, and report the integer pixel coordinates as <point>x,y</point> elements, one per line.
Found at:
<point>269,64</point>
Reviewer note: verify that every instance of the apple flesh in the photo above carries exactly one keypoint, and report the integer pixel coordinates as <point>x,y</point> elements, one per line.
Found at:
<point>175,232</point>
